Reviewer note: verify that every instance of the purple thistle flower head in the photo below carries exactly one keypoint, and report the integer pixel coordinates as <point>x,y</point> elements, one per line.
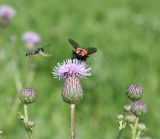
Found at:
<point>71,68</point>
<point>31,39</point>
<point>7,11</point>
<point>6,14</point>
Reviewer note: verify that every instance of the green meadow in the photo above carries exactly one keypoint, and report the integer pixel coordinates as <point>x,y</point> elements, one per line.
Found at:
<point>127,36</point>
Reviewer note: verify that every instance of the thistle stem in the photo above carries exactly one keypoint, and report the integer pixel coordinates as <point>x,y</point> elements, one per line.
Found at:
<point>119,134</point>
<point>72,121</point>
<point>26,121</point>
<point>138,134</point>
<point>134,131</point>
<point>25,113</point>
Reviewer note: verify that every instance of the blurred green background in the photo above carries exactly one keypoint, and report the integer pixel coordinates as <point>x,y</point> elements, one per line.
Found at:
<point>127,36</point>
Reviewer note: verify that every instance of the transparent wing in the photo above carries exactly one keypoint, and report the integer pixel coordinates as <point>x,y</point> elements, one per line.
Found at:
<point>74,43</point>
<point>44,54</point>
<point>91,50</point>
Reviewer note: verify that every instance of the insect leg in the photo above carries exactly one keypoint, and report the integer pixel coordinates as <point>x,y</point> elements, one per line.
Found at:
<point>73,55</point>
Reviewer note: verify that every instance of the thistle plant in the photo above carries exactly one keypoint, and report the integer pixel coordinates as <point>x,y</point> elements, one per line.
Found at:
<point>133,112</point>
<point>31,39</point>
<point>72,93</point>
<point>6,14</point>
<point>27,96</point>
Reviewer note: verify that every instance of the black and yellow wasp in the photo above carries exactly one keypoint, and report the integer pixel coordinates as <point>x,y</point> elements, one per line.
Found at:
<point>38,51</point>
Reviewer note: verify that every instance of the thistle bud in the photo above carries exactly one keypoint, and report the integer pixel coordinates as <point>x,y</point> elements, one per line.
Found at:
<point>20,116</point>
<point>127,107</point>
<point>28,95</point>
<point>130,118</point>
<point>134,92</point>
<point>120,117</point>
<point>31,123</point>
<point>141,127</point>
<point>139,108</point>
<point>72,91</point>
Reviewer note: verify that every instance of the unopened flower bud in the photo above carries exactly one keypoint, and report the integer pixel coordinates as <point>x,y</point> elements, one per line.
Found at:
<point>127,107</point>
<point>134,92</point>
<point>141,127</point>
<point>130,118</point>
<point>27,95</point>
<point>121,122</point>
<point>31,123</point>
<point>139,108</point>
<point>20,116</point>
<point>120,117</point>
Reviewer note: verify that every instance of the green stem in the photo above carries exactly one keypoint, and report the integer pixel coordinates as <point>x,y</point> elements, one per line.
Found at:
<point>72,121</point>
<point>25,113</point>
<point>119,134</point>
<point>30,135</point>
<point>138,135</point>
<point>26,121</point>
<point>1,32</point>
<point>134,131</point>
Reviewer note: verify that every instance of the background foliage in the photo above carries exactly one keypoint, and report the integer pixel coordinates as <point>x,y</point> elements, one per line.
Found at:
<point>127,36</point>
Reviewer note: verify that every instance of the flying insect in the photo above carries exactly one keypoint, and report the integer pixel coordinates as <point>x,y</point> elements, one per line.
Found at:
<point>81,53</point>
<point>38,51</point>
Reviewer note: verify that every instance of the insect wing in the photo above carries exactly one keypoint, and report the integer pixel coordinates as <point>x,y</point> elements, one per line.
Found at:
<point>91,50</point>
<point>74,43</point>
<point>44,54</point>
